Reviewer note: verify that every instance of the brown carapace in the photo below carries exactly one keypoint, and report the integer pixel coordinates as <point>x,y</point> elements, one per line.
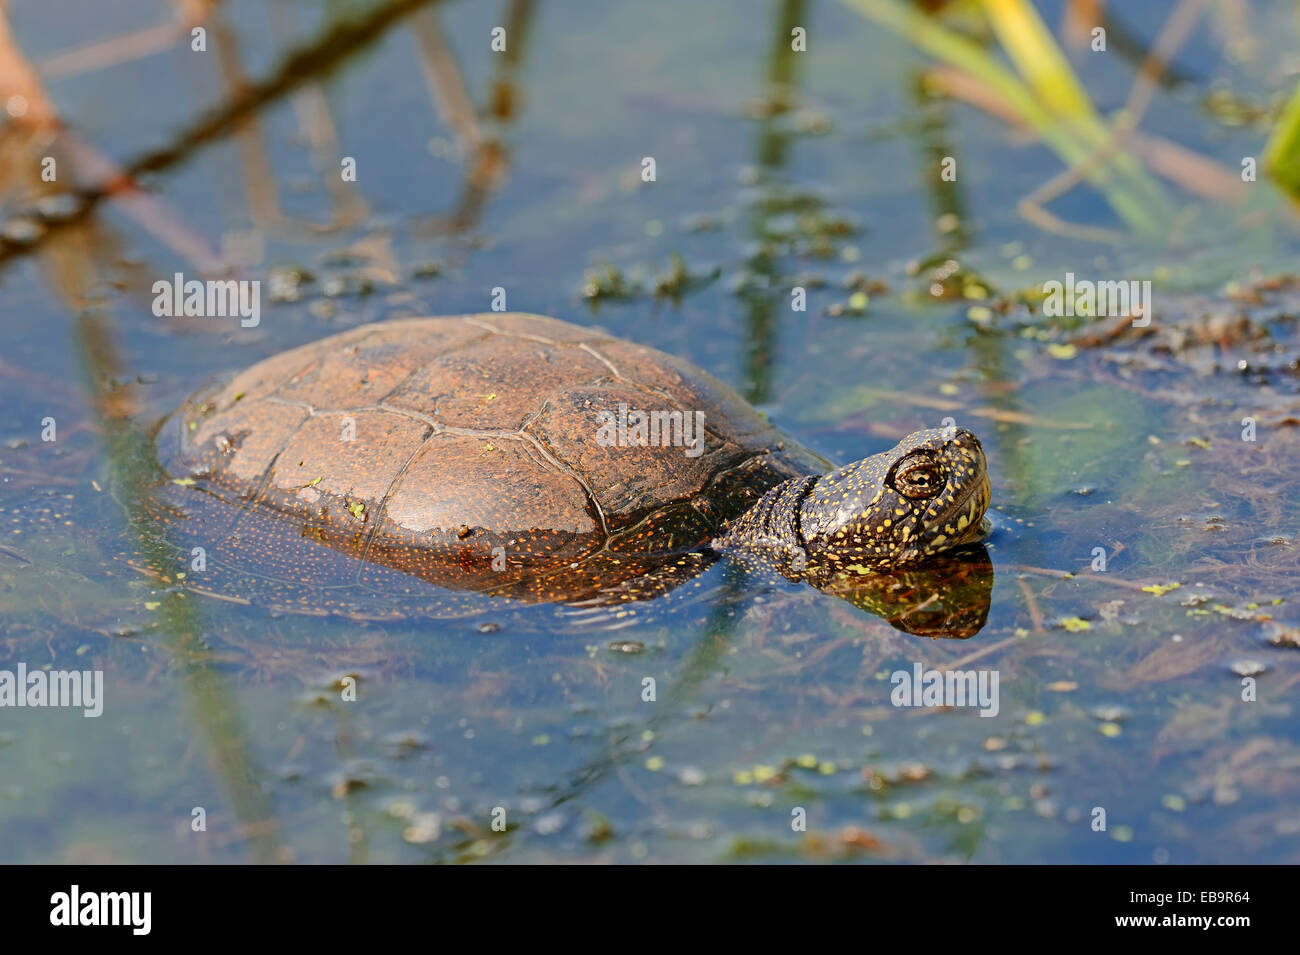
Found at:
<point>516,456</point>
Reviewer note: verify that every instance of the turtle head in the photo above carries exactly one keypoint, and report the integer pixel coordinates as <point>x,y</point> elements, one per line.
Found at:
<point>926,494</point>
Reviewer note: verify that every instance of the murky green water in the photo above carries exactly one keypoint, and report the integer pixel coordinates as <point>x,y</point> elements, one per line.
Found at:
<point>523,170</point>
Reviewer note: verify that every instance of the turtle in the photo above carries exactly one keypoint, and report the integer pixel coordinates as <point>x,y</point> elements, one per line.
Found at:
<point>514,458</point>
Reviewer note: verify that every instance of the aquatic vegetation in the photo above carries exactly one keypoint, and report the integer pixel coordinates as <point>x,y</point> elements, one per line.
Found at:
<point>1282,153</point>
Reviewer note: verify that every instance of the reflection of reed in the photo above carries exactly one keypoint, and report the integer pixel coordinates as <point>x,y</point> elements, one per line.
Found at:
<point>1044,97</point>
<point>101,54</point>
<point>318,129</point>
<point>1194,172</point>
<point>34,132</point>
<point>213,702</point>
<point>1043,94</point>
<point>71,258</point>
<point>772,150</point>
<point>481,144</point>
<point>932,128</point>
<point>297,77</point>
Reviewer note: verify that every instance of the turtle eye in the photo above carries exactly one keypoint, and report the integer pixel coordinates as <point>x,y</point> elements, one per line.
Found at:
<point>918,477</point>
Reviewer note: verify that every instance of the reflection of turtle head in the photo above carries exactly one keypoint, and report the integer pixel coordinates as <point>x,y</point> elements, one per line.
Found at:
<point>923,496</point>
<point>946,595</point>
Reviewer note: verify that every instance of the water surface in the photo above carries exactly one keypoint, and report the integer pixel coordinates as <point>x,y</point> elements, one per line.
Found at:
<point>522,170</point>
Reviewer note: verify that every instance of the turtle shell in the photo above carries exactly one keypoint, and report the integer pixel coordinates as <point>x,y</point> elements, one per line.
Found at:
<point>503,454</point>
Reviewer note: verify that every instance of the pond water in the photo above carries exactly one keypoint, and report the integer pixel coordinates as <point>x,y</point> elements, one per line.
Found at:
<point>373,161</point>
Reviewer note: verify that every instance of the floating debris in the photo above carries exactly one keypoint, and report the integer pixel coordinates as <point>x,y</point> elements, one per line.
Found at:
<point>550,823</point>
<point>1112,713</point>
<point>1281,635</point>
<point>339,286</point>
<point>286,283</point>
<point>691,776</point>
<point>609,282</point>
<point>1248,667</point>
<point>425,827</point>
<point>1160,589</point>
